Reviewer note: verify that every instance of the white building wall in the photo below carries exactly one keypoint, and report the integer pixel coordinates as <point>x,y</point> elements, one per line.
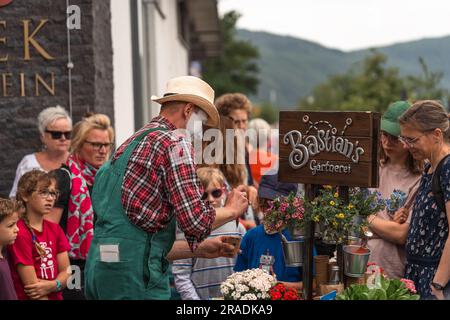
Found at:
<point>170,54</point>
<point>123,70</point>
<point>163,56</point>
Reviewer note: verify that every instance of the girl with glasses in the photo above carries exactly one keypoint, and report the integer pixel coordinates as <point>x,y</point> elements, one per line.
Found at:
<point>426,129</point>
<point>200,278</point>
<point>39,258</point>
<point>55,128</point>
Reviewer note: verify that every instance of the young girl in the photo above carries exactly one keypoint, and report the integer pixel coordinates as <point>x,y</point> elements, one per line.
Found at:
<point>9,213</point>
<point>199,278</point>
<point>38,259</point>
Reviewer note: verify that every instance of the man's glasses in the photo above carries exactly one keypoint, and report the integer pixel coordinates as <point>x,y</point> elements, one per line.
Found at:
<point>58,134</point>
<point>410,141</point>
<point>45,194</point>
<point>217,193</point>
<point>239,121</point>
<point>390,137</point>
<point>99,145</point>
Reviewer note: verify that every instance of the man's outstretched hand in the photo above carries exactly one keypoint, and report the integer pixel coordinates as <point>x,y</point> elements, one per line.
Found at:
<point>215,248</point>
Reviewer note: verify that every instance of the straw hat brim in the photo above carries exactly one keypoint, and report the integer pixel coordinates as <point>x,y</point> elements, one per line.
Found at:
<point>202,103</point>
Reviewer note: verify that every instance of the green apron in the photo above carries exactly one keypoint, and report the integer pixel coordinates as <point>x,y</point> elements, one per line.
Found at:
<point>142,269</point>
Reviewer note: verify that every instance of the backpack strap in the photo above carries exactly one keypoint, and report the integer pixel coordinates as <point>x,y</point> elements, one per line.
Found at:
<point>436,186</point>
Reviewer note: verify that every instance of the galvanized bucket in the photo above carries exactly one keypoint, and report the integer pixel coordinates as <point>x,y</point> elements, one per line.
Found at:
<point>293,252</point>
<point>357,221</point>
<point>296,233</point>
<point>355,260</point>
<point>354,241</point>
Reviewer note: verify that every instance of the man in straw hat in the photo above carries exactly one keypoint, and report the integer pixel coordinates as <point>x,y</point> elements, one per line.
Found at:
<point>142,192</point>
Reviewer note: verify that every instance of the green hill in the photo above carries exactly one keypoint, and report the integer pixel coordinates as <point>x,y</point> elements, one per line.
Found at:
<point>291,67</point>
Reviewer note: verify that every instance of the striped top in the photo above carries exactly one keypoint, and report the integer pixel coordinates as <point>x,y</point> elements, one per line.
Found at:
<point>199,278</point>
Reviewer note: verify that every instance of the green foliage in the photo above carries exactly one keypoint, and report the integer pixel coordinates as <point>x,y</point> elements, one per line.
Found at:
<point>426,85</point>
<point>372,85</point>
<point>236,70</point>
<point>390,289</point>
<point>268,112</point>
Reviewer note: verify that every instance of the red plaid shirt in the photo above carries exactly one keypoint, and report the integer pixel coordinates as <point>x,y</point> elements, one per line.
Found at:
<point>161,180</point>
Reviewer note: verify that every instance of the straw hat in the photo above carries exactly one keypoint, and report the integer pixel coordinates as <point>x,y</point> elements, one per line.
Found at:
<point>194,90</point>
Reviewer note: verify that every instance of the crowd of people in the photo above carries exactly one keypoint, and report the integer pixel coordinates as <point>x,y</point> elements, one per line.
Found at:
<point>123,220</point>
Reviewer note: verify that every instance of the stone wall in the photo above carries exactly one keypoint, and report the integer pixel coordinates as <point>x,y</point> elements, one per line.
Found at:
<point>23,81</point>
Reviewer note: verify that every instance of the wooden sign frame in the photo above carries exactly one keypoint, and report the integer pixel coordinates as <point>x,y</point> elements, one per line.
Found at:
<point>335,148</point>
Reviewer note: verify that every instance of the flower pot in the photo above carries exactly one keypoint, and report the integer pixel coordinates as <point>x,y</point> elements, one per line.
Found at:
<point>296,233</point>
<point>326,237</point>
<point>355,260</point>
<point>354,241</point>
<point>293,253</point>
<point>357,221</point>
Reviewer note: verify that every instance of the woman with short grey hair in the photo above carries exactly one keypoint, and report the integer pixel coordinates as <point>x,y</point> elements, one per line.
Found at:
<point>55,128</point>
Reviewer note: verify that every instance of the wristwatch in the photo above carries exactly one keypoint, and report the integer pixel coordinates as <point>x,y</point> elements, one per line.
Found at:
<point>437,286</point>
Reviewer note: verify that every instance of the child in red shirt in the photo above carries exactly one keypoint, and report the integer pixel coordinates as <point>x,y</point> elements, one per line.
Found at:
<point>39,260</point>
<point>9,214</point>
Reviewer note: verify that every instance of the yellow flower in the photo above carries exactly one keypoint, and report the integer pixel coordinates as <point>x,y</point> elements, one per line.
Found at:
<point>350,206</point>
<point>340,216</point>
<point>332,203</point>
<point>316,218</point>
<point>336,195</point>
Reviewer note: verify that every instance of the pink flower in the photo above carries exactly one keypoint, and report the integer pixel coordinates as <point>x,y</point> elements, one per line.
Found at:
<point>409,284</point>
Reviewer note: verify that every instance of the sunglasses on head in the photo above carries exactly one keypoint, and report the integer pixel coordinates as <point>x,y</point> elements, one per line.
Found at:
<point>217,193</point>
<point>58,134</point>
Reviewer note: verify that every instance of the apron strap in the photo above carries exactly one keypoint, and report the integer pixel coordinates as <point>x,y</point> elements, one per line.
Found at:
<point>122,161</point>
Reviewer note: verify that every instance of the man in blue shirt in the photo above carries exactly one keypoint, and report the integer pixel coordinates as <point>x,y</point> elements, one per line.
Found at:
<point>258,245</point>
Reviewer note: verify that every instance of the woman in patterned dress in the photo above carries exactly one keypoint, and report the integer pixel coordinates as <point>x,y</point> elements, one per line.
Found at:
<point>425,131</point>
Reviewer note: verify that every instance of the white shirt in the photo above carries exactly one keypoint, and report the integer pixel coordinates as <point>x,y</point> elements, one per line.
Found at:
<point>28,163</point>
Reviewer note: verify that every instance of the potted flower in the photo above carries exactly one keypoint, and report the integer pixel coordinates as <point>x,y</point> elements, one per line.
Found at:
<point>281,292</point>
<point>332,214</point>
<point>363,203</point>
<point>395,201</point>
<point>253,284</point>
<point>286,212</point>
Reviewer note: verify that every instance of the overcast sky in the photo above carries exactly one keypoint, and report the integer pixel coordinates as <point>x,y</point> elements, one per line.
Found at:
<point>345,24</point>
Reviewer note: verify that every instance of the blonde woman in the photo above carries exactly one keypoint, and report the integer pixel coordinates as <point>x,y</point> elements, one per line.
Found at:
<point>91,146</point>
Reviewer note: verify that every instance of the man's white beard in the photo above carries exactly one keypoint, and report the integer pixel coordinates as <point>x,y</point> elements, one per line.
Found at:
<point>194,124</point>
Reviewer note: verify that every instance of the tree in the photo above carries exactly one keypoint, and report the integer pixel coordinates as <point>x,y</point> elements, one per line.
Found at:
<point>371,85</point>
<point>425,86</point>
<point>235,70</point>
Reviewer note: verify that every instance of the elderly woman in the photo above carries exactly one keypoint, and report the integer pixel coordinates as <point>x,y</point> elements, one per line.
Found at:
<point>55,128</point>
<point>90,149</point>
<point>425,130</point>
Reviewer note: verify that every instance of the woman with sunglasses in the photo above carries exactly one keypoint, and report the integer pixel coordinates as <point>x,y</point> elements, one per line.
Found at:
<point>55,127</point>
<point>425,130</point>
<point>398,171</point>
<point>90,148</point>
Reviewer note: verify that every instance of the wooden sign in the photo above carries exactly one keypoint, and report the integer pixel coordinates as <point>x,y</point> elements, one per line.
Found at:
<point>335,148</point>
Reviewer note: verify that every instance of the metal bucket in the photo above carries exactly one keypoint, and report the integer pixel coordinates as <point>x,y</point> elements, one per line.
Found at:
<point>355,260</point>
<point>293,252</point>
<point>354,241</point>
<point>357,221</point>
<point>296,233</point>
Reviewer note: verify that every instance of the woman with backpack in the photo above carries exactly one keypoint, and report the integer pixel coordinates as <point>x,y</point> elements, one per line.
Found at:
<point>425,130</point>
